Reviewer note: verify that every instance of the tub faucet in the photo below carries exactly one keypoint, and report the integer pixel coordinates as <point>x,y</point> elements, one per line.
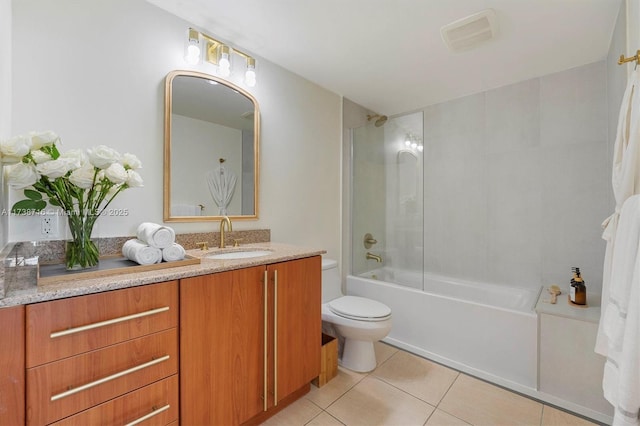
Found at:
<point>374,257</point>
<point>225,219</point>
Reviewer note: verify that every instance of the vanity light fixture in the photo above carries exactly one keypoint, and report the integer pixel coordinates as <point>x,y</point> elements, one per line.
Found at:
<point>220,55</point>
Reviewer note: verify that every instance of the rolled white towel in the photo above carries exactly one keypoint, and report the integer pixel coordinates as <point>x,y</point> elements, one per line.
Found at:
<point>173,252</point>
<point>156,235</point>
<point>141,253</point>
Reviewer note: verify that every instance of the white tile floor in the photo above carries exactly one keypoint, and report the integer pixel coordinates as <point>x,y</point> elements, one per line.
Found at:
<point>408,390</point>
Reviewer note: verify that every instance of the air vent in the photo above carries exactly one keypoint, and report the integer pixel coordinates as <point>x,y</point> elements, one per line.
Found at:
<point>470,32</point>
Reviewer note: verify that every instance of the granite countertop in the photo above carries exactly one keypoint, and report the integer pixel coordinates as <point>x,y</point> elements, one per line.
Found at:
<point>31,293</point>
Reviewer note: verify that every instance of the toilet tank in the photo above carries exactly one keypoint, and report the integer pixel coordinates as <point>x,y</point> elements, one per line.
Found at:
<point>331,281</point>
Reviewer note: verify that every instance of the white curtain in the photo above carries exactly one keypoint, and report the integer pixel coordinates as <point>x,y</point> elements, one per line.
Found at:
<point>626,183</point>
<point>222,184</point>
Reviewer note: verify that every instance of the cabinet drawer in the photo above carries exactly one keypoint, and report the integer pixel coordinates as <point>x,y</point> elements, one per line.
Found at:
<point>156,404</point>
<point>67,327</point>
<point>61,388</point>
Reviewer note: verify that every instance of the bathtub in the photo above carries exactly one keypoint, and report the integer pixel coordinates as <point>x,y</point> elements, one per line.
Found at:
<point>487,330</point>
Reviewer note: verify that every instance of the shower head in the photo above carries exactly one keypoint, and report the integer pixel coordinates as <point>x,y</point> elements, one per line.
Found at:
<point>380,119</point>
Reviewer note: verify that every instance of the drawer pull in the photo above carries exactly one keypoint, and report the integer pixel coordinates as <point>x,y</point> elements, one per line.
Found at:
<point>108,322</point>
<point>148,416</point>
<point>109,378</point>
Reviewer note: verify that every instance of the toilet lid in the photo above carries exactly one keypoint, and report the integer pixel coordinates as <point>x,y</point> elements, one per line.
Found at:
<point>359,308</point>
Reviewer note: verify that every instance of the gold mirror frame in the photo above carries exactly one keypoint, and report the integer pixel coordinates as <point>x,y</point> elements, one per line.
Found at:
<point>168,110</point>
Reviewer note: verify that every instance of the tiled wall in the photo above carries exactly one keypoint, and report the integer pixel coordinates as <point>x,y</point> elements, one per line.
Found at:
<point>516,181</point>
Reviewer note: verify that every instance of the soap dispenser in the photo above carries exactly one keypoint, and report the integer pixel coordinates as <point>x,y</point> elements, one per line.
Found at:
<point>578,291</point>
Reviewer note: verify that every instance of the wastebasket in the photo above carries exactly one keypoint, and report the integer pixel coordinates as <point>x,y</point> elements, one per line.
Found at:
<point>328,360</point>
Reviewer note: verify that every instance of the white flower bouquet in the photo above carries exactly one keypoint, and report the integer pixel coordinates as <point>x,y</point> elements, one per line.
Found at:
<point>82,184</point>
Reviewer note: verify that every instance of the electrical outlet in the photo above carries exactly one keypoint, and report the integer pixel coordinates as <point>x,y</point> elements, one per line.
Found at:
<point>49,226</point>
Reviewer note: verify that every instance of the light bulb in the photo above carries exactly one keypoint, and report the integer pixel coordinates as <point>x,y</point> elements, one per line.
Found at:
<point>250,78</point>
<point>407,141</point>
<point>192,54</point>
<point>250,74</point>
<point>414,145</point>
<point>224,66</point>
<point>420,147</point>
<point>224,63</point>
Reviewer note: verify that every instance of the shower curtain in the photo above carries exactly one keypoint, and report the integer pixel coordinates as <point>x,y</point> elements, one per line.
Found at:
<point>619,283</point>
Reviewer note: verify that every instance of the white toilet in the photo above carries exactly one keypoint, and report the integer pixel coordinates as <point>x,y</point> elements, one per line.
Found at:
<point>358,320</point>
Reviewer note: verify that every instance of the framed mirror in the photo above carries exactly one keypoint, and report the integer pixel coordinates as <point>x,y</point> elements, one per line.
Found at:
<point>211,149</point>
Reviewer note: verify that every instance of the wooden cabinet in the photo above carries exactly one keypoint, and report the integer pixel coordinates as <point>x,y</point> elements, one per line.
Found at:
<point>12,381</point>
<point>222,347</point>
<point>250,341</point>
<point>84,351</point>
<point>298,318</point>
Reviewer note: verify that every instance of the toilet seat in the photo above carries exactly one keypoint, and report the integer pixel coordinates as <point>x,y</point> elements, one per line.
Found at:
<point>360,308</point>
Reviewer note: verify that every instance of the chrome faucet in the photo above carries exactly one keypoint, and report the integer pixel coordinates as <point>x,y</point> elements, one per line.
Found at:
<point>225,219</point>
<point>374,257</point>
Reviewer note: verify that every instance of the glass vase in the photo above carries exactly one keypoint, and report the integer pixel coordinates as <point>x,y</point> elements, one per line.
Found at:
<point>80,251</point>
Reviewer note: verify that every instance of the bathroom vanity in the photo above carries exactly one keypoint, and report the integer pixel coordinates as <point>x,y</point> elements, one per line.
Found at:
<point>222,342</point>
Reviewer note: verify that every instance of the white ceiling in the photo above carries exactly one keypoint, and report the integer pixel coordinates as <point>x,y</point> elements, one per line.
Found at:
<point>388,56</point>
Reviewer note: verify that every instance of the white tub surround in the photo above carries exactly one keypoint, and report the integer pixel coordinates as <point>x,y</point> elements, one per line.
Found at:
<point>570,372</point>
<point>486,330</point>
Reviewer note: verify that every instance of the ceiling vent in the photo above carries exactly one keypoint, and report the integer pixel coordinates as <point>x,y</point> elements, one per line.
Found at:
<point>470,32</point>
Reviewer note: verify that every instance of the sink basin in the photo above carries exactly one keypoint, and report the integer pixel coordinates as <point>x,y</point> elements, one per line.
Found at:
<point>239,255</point>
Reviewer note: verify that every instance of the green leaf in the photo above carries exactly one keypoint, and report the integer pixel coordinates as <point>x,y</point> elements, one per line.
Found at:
<point>54,152</point>
<point>28,206</point>
<point>32,195</point>
<point>51,150</point>
<point>54,202</point>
